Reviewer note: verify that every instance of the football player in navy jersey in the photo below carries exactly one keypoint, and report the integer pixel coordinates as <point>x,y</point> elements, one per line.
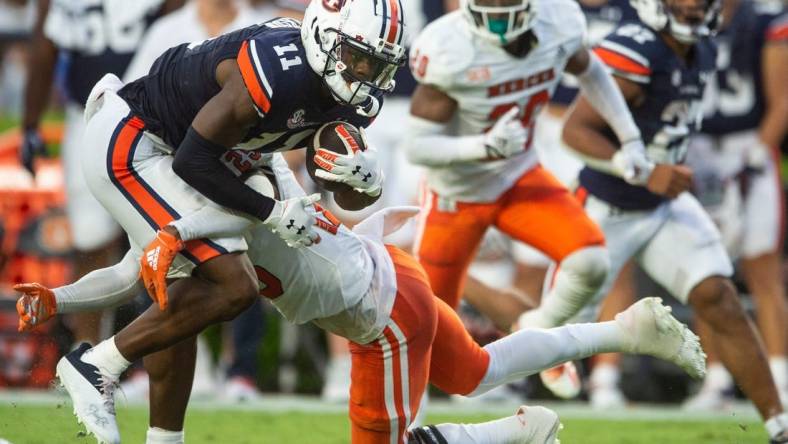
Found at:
<point>208,111</point>
<point>88,39</point>
<point>736,177</point>
<point>662,65</point>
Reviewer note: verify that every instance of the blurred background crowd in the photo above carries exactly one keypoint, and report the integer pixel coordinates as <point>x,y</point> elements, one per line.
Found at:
<point>51,231</point>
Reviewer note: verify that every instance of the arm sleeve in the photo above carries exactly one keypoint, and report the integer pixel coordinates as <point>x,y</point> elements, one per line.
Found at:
<point>198,162</point>
<point>605,96</point>
<point>212,221</point>
<point>102,288</point>
<point>426,144</point>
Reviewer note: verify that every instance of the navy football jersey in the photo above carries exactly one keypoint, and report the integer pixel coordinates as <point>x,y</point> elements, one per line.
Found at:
<point>734,98</point>
<point>285,91</point>
<point>670,111</point>
<point>600,21</point>
<point>96,37</point>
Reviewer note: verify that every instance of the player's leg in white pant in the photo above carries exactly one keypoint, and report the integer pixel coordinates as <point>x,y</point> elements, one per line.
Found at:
<point>697,273</point>
<point>577,280</point>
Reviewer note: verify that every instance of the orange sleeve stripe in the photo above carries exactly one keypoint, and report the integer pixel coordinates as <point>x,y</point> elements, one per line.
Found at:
<point>622,62</point>
<point>778,33</point>
<point>253,84</point>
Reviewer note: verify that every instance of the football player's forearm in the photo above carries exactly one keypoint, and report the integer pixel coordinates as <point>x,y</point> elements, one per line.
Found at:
<point>103,288</point>
<point>774,124</point>
<point>198,163</point>
<point>589,144</point>
<point>426,145</point>
<point>43,55</point>
<point>605,96</point>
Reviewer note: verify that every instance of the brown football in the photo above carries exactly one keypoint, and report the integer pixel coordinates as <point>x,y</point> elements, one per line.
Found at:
<point>338,137</point>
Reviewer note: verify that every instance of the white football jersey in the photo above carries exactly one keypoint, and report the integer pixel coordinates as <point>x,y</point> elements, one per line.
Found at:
<point>486,81</point>
<point>95,26</point>
<point>343,283</point>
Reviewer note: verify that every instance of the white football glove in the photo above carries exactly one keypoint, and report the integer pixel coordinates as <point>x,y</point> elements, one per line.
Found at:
<point>360,170</point>
<point>632,163</point>
<point>507,137</point>
<point>293,221</point>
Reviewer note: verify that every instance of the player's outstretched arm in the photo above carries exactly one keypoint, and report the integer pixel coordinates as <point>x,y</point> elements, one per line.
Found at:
<point>427,144</point>
<point>99,289</point>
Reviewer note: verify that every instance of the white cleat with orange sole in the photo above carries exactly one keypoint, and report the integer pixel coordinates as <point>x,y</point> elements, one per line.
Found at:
<point>562,380</point>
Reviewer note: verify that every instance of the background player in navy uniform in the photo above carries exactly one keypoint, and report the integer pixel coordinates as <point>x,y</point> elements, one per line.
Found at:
<point>260,89</point>
<point>662,66</point>
<point>736,176</point>
<point>90,38</point>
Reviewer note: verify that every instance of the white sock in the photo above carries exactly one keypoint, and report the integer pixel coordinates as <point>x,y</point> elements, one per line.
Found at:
<point>776,425</point>
<point>605,376</point>
<point>107,358</point>
<point>156,435</point>
<point>530,351</point>
<point>498,431</point>
<point>717,378</point>
<point>576,282</point>
<point>779,367</point>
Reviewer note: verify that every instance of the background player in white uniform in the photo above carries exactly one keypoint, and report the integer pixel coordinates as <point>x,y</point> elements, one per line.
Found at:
<point>485,73</point>
<point>91,38</point>
<point>662,65</point>
<point>377,296</point>
<point>736,173</point>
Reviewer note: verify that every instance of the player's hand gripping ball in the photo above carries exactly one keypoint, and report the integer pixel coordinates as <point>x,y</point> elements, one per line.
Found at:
<point>338,159</point>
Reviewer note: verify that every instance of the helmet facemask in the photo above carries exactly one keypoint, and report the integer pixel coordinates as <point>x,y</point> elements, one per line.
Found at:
<point>355,69</point>
<point>500,21</point>
<point>700,25</point>
<point>680,21</point>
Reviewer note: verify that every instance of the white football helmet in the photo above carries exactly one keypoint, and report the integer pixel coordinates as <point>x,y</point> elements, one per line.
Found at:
<point>658,15</point>
<point>356,46</point>
<point>499,21</point>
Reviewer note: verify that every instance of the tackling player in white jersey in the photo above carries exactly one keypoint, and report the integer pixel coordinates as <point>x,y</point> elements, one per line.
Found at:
<point>378,297</point>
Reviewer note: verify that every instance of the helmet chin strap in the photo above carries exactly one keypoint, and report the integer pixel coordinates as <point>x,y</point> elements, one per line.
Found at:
<point>498,27</point>
<point>369,108</point>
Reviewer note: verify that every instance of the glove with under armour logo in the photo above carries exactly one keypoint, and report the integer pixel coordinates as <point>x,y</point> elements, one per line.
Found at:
<point>293,221</point>
<point>507,137</point>
<point>36,305</point>
<point>155,262</point>
<point>632,163</point>
<point>32,147</point>
<point>359,170</point>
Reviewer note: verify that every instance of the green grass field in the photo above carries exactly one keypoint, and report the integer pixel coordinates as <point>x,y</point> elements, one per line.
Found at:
<point>54,423</point>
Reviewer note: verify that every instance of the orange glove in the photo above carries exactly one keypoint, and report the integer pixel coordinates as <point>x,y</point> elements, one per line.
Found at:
<point>36,305</point>
<point>155,263</point>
